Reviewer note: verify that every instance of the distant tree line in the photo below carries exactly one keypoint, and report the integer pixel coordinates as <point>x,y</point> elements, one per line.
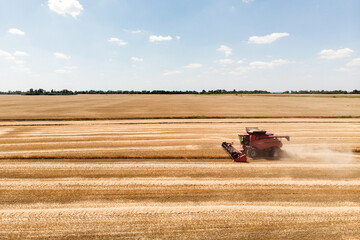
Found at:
<point>135,92</point>
<point>69,92</point>
<point>44,92</point>
<point>322,92</point>
<point>218,91</point>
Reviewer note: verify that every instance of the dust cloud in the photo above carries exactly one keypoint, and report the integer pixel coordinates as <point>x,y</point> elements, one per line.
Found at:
<point>319,153</point>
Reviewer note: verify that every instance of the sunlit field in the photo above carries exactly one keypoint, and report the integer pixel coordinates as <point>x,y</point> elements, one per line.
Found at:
<point>177,106</point>
<point>120,119</point>
<point>170,178</point>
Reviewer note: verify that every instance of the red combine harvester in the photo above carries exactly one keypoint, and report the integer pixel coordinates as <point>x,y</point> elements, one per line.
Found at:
<point>255,142</point>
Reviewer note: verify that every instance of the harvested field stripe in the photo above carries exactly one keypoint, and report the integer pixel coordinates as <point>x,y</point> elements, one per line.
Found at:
<point>5,214</point>
<point>121,204</point>
<point>62,150</point>
<point>184,117</point>
<point>114,122</point>
<point>214,166</point>
<point>9,183</point>
<point>158,165</point>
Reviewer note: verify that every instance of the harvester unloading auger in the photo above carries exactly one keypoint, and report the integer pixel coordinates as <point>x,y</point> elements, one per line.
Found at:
<point>255,142</point>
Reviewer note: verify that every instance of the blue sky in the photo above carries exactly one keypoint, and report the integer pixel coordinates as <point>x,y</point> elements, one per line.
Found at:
<point>179,44</point>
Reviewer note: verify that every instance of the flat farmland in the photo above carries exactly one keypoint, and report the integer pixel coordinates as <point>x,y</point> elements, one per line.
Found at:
<point>176,106</point>
<point>170,178</point>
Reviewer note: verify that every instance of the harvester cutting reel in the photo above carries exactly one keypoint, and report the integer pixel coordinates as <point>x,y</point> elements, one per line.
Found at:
<point>237,155</point>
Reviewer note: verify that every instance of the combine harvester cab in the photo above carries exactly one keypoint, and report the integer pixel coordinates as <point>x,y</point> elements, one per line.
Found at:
<point>255,143</point>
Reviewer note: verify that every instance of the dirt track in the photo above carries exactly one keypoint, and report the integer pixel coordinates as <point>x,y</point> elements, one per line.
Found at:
<point>170,179</point>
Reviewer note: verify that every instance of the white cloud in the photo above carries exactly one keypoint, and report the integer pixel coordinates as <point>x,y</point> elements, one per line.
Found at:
<point>159,38</point>
<point>16,31</point>
<point>227,50</point>
<point>66,7</point>
<point>136,59</point>
<point>354,63</point>
<point>343,69</point>
<point>66,70</point>
<point>178,37</point>
<point>169,73</point>
<point>71,67</point>
<point>240,70</point>
<point>19,64</point>
<point>247,1</point>
<point>138,31</point>
<point>271,64</point>
<point>20,68</point>
<point>193,65</point>
<point>61,56</point>
<point>240,62</point>
<point>21,54</point>
<point>267,38</point>
<point>7,55</point>
<point>259,65</point>
<point>117,41</point>
<point>62,71</point>
<point>335,54</point>
<point>225,61</point>
<point>350,66</point>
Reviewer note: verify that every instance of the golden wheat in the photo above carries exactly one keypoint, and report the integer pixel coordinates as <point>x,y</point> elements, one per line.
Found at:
<point>161,106</point>
<point>146,179</point>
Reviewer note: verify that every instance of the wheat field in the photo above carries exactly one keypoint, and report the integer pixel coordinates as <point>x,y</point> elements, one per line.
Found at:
<point>170,178</point>
<point>176,106</point>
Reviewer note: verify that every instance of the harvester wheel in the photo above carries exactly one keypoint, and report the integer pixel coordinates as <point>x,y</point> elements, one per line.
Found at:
<point>252,153</point>
<point>275,153</point>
